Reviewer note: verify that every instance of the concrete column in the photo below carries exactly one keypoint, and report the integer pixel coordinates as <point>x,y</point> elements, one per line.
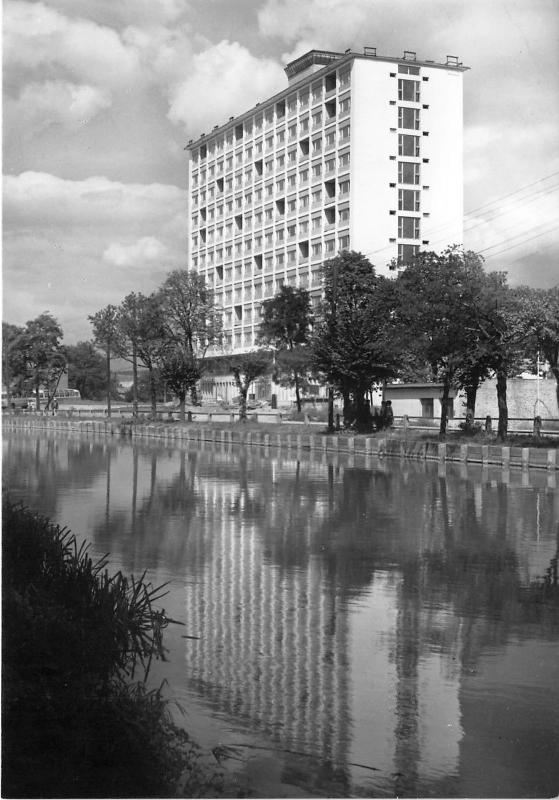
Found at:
<point>442,451</point>
<point>525,457</point>
<point>484,453</point>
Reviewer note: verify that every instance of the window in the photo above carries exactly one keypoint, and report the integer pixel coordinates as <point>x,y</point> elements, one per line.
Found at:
<point>330,165</point>
<point>343,242</point>
<point>408,118</point>
<point>330,109</point>
<point>317,119</point>
<point>330,139</point>
<point>292,181</point>
<point>317,170</point>
<point>317,249</point>
<point>408,227</point>
<point>292,104</point>
<point>343,214</point>
<point>344,188</point>
<point>408,90</point>
<point>408,145</point>
<point>345,105</point>
<point>407,69</point>
<point>344,160</point>
<point>408,172</point>
<point>317,145</point>
<point>407,252</point>
<point>344,133</point>
<point>427,409</point>
<point>408,200</point>
<point>317,91</point>
<point>292,132</point>
<point>330,82</point>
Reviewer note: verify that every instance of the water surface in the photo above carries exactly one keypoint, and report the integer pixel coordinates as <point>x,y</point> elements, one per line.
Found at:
<point>365,627</point>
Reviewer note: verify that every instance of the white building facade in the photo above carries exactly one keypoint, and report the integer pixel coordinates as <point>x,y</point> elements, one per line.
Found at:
<point>359,152</point>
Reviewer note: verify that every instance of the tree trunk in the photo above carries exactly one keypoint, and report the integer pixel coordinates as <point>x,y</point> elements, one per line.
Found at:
<point>297,394</point>
<point>502,429</point>
<point>471,395</point>
<point>555,371</point>
<point>444,408</point>
<point>182,400</point>
<point>108,380</point>
<point>153,392</point>
<point>37,398</point>
<point>134,382</point>
<point>330,410</point>
<point>243,391</point>
<point>194,396</point>
<point>348,412</point>
<point>362,412</point>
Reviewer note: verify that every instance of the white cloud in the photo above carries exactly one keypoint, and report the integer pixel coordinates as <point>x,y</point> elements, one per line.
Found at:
<point>223,80</point>
<point>74,246</point>
<point>41,105</point>
<point>326,23</point>
<point>146,249</point>
<point>38,37</point>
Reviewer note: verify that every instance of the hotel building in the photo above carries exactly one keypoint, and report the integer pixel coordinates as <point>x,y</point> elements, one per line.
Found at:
<point>359,152</point>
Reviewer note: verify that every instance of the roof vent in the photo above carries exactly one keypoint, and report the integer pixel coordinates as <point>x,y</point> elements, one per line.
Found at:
<point>370,51</point>
<point>452,61</point>
<point>410,55</point>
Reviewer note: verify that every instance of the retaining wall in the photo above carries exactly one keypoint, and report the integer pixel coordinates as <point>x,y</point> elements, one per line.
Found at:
<point>522,457</point>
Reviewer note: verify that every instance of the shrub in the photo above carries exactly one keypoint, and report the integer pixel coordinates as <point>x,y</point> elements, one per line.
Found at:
<point>74,723</point>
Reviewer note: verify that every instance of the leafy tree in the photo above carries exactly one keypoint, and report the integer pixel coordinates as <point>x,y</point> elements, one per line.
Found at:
<point>45,358</point>
<point>13,360</point>
<point>141,336</point>
<point>180,371</point>
<point>286,324</point>
<point>541,310</point>
<point>86,370</point>
<point>105,336</point>
<point>352,345</point>
<point>246,367</point>
<point>192,320</point>
<point>440,304</point>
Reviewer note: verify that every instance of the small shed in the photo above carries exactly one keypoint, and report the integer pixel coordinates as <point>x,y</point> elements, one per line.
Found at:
<point>418,399</point>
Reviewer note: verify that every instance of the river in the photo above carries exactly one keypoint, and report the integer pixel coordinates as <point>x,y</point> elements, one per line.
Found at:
<point>365,627</point>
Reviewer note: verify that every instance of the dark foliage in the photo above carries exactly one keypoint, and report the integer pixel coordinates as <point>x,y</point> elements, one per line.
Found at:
<point>74,725</point>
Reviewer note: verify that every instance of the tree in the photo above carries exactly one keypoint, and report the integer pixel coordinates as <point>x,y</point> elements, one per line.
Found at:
<point>105,336</point>
<point>286,324</point>
<point>351,344</point>
<point>13,360</point>
<point>45,358</point>
<point>180,371</point>
<point>437,315</point>
<point>541,309</point>
<point>141,336</point>
<point>246,367</point>
<point>192,320</point>
<point>86,370</point>
<point>151,331</point>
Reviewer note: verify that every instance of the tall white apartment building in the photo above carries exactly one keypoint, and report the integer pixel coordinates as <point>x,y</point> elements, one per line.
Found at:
<point>359,152</point>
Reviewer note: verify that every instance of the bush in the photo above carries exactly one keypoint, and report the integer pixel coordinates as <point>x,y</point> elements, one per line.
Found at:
<point>74,725</point>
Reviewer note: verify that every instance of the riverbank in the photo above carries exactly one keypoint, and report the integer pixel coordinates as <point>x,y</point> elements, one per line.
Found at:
<point>300,437</point>
<point>76,720</point>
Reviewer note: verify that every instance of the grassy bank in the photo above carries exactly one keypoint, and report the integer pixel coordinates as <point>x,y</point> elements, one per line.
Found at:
<point>77,643</point>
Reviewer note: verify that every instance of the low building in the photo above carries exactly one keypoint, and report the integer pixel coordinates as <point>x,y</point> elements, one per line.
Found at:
<point>525,399</point>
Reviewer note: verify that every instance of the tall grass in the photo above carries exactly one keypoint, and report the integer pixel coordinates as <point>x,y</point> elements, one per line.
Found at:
<point>75,723</point>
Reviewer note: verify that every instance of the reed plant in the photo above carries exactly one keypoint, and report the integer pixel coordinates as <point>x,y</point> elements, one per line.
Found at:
<point>77,645</point>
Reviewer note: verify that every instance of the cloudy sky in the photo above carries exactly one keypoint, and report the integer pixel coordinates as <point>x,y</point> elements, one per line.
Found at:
<point>100,97</point>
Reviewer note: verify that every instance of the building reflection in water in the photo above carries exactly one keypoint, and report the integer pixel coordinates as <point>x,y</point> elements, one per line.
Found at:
<point>349,612</point>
